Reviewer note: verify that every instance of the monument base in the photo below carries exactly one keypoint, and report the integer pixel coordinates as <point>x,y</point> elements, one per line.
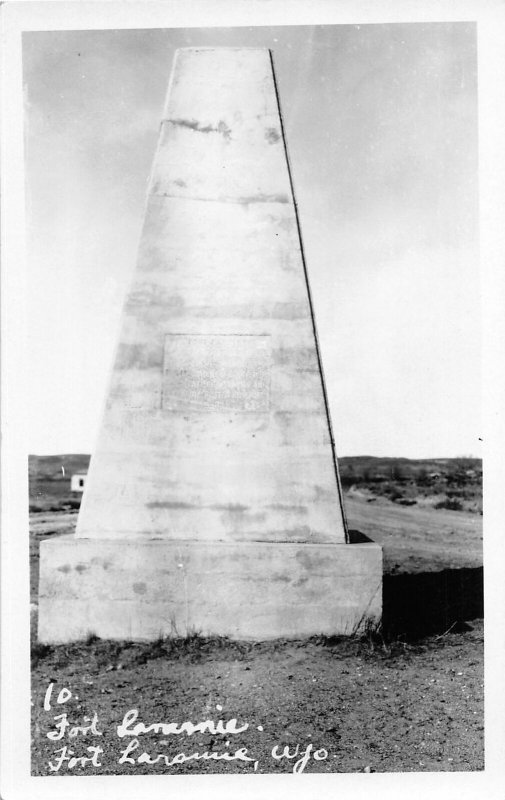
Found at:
<point>130,590</point>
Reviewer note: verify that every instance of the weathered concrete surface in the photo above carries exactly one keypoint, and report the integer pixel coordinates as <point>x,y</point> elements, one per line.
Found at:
<point>216,425</point>
<point>142,590</point>
<point>212,501</point>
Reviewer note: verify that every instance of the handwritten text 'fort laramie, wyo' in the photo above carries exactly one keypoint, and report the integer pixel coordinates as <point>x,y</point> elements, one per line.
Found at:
<point>74,756</point>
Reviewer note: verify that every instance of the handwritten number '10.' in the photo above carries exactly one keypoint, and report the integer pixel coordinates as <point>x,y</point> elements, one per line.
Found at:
<point>63,696</point>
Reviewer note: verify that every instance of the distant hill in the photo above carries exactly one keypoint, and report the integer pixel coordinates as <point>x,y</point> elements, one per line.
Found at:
<point>454,484</point>
<point>49,481</point>
<point>450,482</point>
<point>50,467</point>
<point>370,467</point>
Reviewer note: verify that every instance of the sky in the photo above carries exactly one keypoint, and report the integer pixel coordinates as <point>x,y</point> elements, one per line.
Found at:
<point>381,128</point>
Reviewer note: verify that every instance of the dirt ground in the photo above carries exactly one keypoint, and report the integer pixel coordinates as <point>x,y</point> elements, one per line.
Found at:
<point>407,699</point>
<point>417,538</point>
<point>390,708</point>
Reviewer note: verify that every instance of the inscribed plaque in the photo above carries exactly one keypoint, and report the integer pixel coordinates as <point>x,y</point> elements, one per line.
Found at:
<point>217,372</point>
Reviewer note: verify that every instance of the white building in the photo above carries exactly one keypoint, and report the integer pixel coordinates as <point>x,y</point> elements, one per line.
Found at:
<point>78,481</point>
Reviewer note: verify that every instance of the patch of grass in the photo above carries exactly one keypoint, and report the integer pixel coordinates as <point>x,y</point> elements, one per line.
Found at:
<point>372,644</point>
<point>39,652</point>
<point>379,643</point>
<point>194,647</point>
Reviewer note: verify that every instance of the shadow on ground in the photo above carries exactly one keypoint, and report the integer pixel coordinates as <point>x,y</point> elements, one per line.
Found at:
<point>431,602</point>
<point>427,603</point>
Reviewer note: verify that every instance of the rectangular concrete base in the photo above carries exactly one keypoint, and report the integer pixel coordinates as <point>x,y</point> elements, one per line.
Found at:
<point>130,590</point>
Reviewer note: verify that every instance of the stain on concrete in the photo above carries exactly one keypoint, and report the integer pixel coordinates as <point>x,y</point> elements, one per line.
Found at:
<point>174,504</point>
<point>180,182</point>
<point>287,262</point>
<point>148,295</point>
<point>138,356</point>
<point>300,581</point>
<point>304,560</point>
<point>156,260</point>
<point>221,128</point>
<point>262,198</point>
<point>282,355</point>
<point>241,521</point>
<point>323,495</point>
<point>272,135</point>
<point>286,417</point>
<point>290,310</point>
<point>236,508</point>
<point>287,311</point>
<point>81,567</point>
<point>100,562</point>
<point>287,224</point>
<point>244,200</point>
<point>259,516</point>
<point>300,534</point>
<point>65,568</point>
<point>297,509</point>
<point>293,355</point>
<point>279,577</point>
<point>139,588</point>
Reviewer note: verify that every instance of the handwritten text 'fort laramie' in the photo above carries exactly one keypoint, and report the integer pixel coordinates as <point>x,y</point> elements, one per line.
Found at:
<point>129,749</point>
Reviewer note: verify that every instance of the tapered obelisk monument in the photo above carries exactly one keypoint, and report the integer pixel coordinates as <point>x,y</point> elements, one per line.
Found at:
<point>213,501</point>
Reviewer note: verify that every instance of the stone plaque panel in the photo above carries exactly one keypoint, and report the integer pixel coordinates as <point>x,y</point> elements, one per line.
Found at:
<point>217,372</point>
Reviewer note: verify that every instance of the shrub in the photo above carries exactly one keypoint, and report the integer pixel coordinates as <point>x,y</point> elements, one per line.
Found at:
<point>450,503</point>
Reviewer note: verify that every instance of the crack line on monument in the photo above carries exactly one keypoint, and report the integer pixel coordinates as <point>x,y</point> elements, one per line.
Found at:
<point>247,200</point>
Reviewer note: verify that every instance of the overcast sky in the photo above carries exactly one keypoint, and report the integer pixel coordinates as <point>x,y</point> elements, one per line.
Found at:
<point>381,126</point>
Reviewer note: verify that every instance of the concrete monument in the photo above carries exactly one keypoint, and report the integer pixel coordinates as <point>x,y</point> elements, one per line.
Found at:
<point>213,502</point>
